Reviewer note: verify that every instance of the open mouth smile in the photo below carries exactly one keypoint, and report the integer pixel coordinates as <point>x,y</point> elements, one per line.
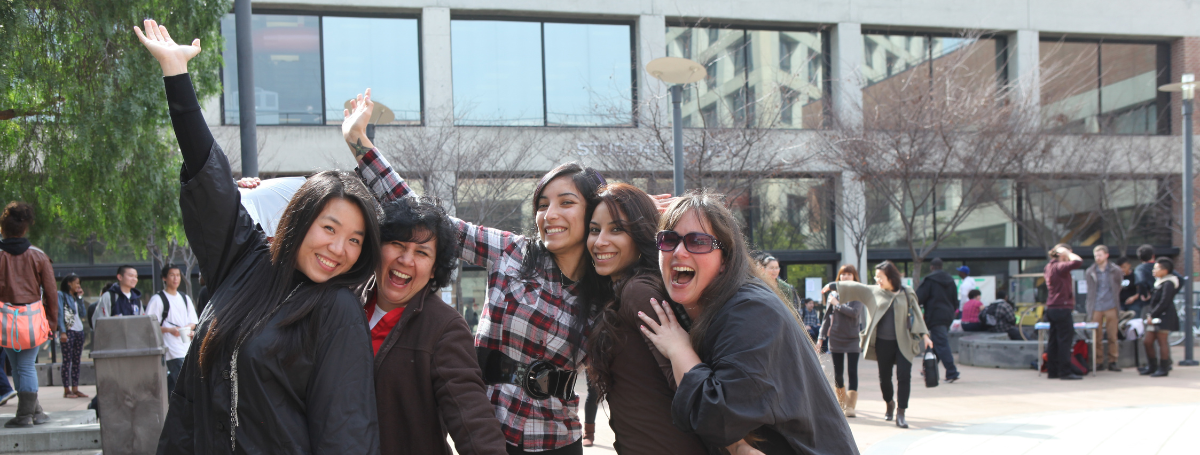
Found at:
<point>399,279</point>
<point>682,275</point>
<point>327,264</point>
<point>605,256</point>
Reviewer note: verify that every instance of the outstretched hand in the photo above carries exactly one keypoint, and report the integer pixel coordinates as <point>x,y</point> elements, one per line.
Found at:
<point>172,57</point>
<point>354,127</point>
<point>662,201</point>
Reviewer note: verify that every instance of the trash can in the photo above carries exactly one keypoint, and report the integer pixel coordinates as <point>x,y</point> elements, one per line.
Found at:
<point>131,383</point>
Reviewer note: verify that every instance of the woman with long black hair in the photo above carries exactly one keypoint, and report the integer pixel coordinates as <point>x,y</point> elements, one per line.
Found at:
<point>535,318</point>
<point>283,363</point>
<point>71,311</point>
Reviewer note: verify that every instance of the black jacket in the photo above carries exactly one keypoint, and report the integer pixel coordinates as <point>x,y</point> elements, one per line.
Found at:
<point>1162,303</point>
<point>759,373</point>
<point>324,401</point>
<point>938,297</point>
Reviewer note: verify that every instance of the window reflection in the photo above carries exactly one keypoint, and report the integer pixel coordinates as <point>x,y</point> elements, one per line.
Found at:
<point>382,54</point>
<point>497,72</point>
<point>899,68</point>
<point>756,78</point>
<point>497,202</point>
<point>1129,76</point>
<point>588,75</point>
<point>986,224</point>
<point>1095,87</point>
<point>287,69</point>
<point>792,214</point>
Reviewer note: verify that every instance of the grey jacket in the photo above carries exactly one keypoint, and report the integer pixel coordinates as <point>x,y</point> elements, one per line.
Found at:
<point>877,301</point>
<point>1093,275</point>
<point>841,327</point>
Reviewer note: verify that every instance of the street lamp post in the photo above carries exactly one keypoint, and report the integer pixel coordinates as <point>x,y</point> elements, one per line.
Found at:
<point>677,72</point>
<point>1187,87</point>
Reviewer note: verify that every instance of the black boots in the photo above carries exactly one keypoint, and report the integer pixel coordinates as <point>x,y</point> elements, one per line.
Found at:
<point>1151,366</point>
<point>900,422</point>
<point>27,412</point>
<point>1114,368</point>
<point>891,406</point>
<point>1164,366</point>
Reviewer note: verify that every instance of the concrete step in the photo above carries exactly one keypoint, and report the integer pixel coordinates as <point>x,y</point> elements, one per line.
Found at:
<point>69,432</point>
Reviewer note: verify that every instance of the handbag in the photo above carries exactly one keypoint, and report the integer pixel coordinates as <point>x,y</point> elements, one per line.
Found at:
<point>912,316</point>
<point>23,326</point>
<point>930,368</point>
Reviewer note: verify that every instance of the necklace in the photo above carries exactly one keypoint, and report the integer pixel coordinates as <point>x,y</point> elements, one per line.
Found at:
<point>233,370</point>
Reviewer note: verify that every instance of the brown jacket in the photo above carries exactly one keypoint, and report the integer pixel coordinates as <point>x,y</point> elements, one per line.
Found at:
<point>28,277</point>
<point>428,384</point>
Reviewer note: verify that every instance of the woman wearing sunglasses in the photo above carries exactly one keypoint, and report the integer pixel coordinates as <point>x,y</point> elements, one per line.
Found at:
<point>746,366</point>
<point>534,320</point>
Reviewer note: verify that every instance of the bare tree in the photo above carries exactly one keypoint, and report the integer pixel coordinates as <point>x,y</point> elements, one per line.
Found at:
<point>933,142</point>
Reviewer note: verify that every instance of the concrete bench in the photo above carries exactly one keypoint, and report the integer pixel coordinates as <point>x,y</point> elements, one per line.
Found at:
<point>997,351</point>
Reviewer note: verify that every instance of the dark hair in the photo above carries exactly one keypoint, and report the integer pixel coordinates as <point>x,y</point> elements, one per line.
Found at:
<point>121,269</point>
<point>892,273</point>
<point>421,219</point>
<point>1001,294</point>
<point>935,264</point>
<point>709,206</point>
<point>1120,261</point>
<point>1145,253</point>
<point>973,293</point>
<point>168,268</point>
<point>1166,263</point>
<point>17,218</point>
<point>635,212</point>
<point>848,269</point>
<point>65,284</point>
<point>275,282</point>
<point>1053,253</point>
<point>587,181</point>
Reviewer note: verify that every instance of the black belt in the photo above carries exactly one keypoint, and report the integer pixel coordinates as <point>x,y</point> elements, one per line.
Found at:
<point>540,379</point>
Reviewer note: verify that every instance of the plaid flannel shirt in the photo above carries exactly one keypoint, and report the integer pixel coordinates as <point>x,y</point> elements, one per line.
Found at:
<point>527,320</point>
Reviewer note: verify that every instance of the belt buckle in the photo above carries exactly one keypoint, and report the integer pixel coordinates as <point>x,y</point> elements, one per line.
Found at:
<point>536,379</point>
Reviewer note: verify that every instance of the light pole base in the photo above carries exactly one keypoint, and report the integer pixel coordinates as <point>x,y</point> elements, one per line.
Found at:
<point>1188,363</point>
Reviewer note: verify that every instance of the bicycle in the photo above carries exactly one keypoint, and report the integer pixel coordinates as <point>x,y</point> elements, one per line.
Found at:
<point>1176,338</point>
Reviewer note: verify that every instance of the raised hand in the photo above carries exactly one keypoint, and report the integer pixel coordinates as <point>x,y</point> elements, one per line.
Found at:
<point>354,127</point>
<point>662,201</point>
<point>249,182</point>
<point>172,57</point>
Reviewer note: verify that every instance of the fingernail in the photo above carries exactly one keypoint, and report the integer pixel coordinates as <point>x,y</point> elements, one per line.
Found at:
<point>641,314</point>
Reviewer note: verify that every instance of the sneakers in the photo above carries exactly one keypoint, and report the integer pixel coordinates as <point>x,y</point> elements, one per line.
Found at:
<point>8,396</point>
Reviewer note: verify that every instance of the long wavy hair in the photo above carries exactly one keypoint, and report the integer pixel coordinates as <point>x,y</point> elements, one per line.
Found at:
<point>634,212</point>
<point>587,181</point>
<point>277,283</point>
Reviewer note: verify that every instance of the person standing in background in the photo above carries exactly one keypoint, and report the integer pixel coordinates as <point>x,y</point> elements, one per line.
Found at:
<point>70,333</point>
<point>28,283</point>
<point>177,319</point>
<point>1060,303</point>
<point>936,296</point>
<point>1143,280</point>
<point>967,285</point>
<point>1104,287</point>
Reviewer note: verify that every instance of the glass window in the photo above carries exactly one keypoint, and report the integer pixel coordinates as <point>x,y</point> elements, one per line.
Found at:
<point>497,72</point>
<point>988,224</point>
<point>792,214</point>
<point>1099,87</point>
<point>588,75</point>
<point>899,68</point>
<point>756,78</point>
<point>986,221</point>
<point>501,203</point>
<point>382,54</point>
<point>1061,211</point>
<point>287,69</point>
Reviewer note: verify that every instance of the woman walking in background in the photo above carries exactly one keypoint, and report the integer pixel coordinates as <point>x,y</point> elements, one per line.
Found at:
<point>70,329</point>
<point>746,366</point>
<point>841,332</point>
<point>28,289</point>
<point>896,332</point>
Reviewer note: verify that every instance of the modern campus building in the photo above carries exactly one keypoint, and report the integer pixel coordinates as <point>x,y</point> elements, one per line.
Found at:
<point>511,88</point>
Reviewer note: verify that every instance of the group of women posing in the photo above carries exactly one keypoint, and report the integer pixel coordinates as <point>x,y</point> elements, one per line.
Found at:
<point>694,353</point>
<point>881,321</point>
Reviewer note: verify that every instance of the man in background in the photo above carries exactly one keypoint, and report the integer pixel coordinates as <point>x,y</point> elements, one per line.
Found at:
<point>937,298</point>
<point>1104,288</point>
<point>176,316</point>
<point>1060,303</point>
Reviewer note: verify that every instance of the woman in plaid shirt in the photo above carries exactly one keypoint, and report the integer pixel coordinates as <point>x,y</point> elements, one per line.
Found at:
<point>533,312</point>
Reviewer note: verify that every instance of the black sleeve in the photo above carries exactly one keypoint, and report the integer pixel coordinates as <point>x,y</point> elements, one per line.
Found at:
<point>341,413</point>
<point>195,140</point>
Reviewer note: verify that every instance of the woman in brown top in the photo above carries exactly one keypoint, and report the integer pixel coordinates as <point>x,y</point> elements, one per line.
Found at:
<point>26,278</point>
<point>632,375</point>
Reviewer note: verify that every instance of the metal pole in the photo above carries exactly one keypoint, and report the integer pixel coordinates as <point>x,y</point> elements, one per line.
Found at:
<point>245,64</point>
<point>1189,238</point>
<point>677,116</point>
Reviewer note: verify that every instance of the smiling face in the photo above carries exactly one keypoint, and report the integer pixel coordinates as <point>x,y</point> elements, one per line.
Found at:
<point>882,280</point>
<point>405,270</point>
<point>560,216</point>
<point>128,279</point>
<point>772,269</point>
<point>333,242</point>
<point>687,274</point>
<point>612,248</point>
<point>846,276</point>
<point>171,281</point>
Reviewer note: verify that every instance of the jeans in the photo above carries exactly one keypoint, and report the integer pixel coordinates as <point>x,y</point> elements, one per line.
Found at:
<point>173,367</point>
<point>1058,348</point>
<point>850,361</point>
<point>940,335</point>
<point>5,387</point>
<point>887,352</point>
<point>24,372</point>
<point>590,405</point>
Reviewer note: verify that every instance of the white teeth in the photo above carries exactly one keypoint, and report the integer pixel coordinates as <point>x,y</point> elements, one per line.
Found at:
<point>326,262</point>
<point>605,256</point>
<point>555,230</point>
<point>400,275</point>
<point>683,269</point>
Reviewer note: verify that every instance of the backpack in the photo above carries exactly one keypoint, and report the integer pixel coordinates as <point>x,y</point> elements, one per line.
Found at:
<point>162,296</point>
<point>1080,358</point>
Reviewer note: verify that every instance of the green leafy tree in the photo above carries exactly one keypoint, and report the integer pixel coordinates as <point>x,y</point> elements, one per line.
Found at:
<point>84,132</point>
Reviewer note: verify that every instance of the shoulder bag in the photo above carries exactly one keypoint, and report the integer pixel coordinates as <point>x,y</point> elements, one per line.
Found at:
<point>23,326</point>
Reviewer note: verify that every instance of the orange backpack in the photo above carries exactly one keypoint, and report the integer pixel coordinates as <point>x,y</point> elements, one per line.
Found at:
<point>23,326</point>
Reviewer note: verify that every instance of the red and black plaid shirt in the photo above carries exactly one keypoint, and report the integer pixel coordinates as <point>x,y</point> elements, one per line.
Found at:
<point>526,319</point>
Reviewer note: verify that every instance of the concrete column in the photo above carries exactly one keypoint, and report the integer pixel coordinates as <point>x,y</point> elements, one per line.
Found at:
<point>853,212</point>
<point>846,64</point>
<point>1024,58</point>
<point>651,44</point>
<point>436,77</point>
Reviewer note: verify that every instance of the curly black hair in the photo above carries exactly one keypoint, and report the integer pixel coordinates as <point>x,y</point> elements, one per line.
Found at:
<point>421,219</point>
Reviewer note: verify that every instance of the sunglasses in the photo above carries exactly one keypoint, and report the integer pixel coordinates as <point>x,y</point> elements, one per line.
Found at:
<point>695,242</point>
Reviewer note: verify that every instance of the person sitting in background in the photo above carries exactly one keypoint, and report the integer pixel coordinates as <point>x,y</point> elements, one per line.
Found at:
<point>1000,317</point>
<point>970,312</point>
<point>811,318</point>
